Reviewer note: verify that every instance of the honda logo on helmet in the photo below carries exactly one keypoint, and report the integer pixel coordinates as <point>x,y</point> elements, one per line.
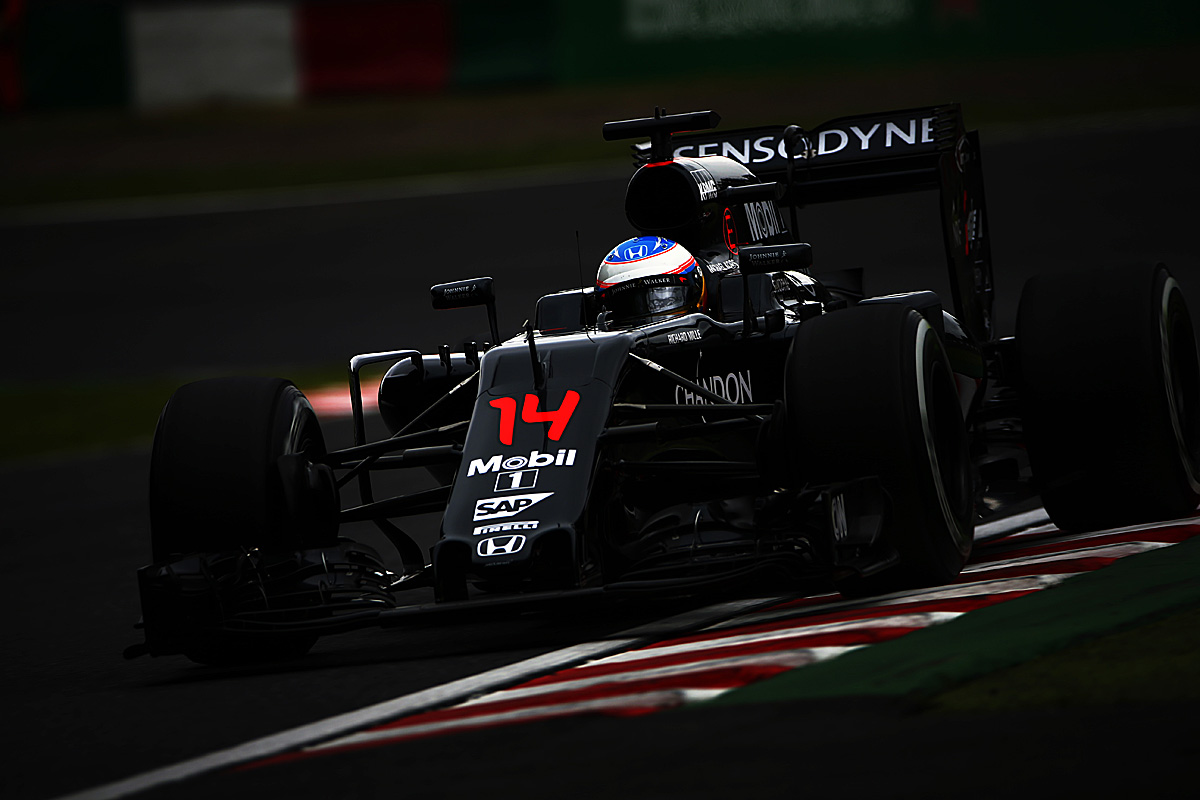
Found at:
<point>501,545</point>
<point>641,251</point>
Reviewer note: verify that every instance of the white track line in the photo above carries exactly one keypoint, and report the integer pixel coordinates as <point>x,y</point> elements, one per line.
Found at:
<point>922,620</point>
<point>1099,551</point>
<point>1025,583</point>
<point>791,659</point>
<point>458,691</point>
<point>660,699</point>
<point>1011,525</point>
<point>447,694</point>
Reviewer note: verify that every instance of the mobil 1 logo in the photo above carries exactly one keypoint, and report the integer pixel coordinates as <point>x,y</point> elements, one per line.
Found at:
<point>532,462</point>
<point>519,479</point>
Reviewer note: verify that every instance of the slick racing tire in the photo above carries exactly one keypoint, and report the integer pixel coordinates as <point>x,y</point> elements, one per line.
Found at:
<point>231,470</point>
<point>869,391</point>
<point>1110,388</point>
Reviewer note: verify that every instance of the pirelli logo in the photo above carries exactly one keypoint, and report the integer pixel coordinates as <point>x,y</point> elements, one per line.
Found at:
<point>507,527</point>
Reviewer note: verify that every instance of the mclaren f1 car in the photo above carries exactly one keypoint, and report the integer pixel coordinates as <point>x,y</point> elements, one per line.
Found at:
<point>715,408</point>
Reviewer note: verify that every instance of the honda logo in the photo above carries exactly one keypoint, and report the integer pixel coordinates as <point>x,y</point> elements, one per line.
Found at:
<point>636,252</point>
<point>501,545</point>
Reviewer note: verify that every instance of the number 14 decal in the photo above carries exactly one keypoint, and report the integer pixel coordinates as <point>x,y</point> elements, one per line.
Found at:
<point>558,419</point>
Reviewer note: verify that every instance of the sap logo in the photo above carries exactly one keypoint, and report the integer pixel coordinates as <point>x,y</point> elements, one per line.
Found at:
<point>563,458</point>
<point>683,336</point>
<point>495,507</point>
<point>501,545</point>
<point>505,527</point>
<point>734,387</point>
<point>521,479</point>
<point>764,220</point>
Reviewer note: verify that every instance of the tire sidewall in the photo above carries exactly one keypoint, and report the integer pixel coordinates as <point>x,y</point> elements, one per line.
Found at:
<point>1180,373</point>
<point>943,501</point>
<point>869,391</point>
<point>1110,392</point>
<point>215,477</point>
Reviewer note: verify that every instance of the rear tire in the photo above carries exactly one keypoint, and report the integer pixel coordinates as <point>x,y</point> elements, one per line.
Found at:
<point>869,391</point>
<point>1110,385</point>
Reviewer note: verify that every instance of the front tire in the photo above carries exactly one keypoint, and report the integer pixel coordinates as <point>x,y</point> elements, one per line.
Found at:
<point>232,467</point>
<point>233,470</point>
<point>869,391</point>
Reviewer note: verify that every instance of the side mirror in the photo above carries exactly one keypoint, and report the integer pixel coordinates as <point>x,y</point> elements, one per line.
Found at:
<point>463,294</point>
<point>768,258</point>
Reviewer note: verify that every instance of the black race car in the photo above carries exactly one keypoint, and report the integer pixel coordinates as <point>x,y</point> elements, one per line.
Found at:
<point>780,423</point>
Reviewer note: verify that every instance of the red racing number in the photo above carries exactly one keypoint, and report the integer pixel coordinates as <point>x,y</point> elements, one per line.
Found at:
<point>558,418</point>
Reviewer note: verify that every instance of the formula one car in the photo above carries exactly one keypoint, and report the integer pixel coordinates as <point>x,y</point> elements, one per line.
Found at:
<point>713,409</point>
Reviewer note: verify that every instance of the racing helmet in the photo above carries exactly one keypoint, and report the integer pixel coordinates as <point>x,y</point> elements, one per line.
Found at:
<point>649,279</point>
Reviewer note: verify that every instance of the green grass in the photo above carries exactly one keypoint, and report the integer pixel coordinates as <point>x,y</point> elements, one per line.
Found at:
<point>936,660</point>
<point>1158,662</point>
<point>183,179</point>
<point>64,416</point>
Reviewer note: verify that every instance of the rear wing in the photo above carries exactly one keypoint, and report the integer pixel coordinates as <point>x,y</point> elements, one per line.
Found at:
<point>870,155</point>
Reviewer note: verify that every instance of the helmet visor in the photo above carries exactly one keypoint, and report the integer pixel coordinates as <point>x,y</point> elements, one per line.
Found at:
<point>649,300</point>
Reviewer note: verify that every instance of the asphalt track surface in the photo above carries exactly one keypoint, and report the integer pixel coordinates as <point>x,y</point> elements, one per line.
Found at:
<point>223,291</point>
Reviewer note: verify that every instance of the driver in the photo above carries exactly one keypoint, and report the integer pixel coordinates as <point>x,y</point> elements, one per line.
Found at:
<point>649,279</point>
